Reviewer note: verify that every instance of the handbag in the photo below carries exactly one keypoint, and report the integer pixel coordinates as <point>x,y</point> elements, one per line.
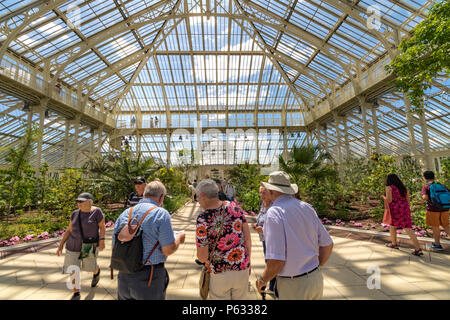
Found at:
<point>387,218</point>
<point>88,245</point>
<point>205,276</point>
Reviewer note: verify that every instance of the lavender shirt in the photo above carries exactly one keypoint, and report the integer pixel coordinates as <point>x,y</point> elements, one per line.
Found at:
<point>89,221</point>
<point>294,233</point>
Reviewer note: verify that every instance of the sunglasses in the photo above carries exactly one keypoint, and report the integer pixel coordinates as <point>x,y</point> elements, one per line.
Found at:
<point>140,182</point>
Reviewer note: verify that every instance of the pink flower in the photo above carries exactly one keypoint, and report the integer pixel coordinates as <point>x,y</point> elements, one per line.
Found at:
<point>28,237</point>
<point>443,234</point>
<point>10,244</point>
<point>109,224</point>
<point>228,242</point>
<point>14,239</point>
<point>399,231</point>
<point>418,234</point>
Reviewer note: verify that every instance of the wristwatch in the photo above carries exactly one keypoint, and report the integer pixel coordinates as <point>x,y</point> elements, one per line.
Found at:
<point>101,239</point>
<point>260,279</point>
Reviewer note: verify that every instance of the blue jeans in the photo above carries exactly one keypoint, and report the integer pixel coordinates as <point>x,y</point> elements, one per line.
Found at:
<point>273,281</point>
<point>133,286</point>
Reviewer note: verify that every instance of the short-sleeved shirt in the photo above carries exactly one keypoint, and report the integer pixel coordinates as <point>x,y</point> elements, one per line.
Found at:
<point>293,233</point>
<point>155,227</point>
<point>89,221</point>
<point>261,218</point>
<point>429,206</point>
<point>133,199</point>
<point>230,253</point>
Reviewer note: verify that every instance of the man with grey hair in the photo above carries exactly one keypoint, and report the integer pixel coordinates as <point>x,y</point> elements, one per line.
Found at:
<point>157,235</point>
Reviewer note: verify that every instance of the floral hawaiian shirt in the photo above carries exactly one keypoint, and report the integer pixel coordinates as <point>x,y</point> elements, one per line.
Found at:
<point>230,253</point>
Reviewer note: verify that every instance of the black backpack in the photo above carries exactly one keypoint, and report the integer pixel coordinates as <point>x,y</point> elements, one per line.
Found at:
<point>127,252</point>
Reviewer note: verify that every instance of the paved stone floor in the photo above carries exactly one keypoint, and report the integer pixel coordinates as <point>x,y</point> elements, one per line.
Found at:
<point>37,274</point>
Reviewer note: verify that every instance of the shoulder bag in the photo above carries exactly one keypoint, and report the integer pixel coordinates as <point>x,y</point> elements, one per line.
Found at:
<point>205,276</point>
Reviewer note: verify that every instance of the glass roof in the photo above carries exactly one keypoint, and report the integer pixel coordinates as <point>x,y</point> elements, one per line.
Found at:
<point>223,63</point>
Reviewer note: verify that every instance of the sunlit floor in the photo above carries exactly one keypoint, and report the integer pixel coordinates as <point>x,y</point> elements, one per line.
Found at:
<point>403,276</point>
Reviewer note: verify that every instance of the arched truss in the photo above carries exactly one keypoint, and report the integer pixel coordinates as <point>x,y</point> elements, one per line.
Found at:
<point>313,70</point>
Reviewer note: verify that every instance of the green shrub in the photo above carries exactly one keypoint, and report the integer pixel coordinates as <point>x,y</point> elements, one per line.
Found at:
<point>419,217</point>
<point>175,203</point>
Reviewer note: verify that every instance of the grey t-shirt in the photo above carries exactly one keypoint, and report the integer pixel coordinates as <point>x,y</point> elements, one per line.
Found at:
<point>89,221</point>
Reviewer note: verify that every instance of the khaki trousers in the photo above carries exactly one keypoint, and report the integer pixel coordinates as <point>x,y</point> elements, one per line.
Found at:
<point>228,285</point>
<point>308,287</point>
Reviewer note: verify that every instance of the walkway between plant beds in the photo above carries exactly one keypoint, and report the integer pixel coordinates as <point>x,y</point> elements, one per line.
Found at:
<point>37,275</point>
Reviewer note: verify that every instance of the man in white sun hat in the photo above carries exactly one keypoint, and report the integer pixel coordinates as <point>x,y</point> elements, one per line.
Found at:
<point>297,243</point>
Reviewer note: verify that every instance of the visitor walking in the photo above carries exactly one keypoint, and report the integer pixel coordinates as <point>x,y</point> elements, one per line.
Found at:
<point>397,196</point>
<point>224,183</point>
<point>230,190</point>
<point>157,235</point>
<point>192,188</point>
<point>156,122</point>
<point>84,238</point>
<point>258,226</point>
<point>195,186</point>
<point>136,196</point>
<point>222,195</point>
<point>297,243</point>
<point>223,243</point>
<point>436,213</point>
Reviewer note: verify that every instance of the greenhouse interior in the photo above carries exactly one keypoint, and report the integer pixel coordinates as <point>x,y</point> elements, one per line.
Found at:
<point>336,94</point>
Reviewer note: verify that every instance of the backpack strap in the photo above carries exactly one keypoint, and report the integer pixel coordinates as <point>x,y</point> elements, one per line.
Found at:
<point>151,264</point>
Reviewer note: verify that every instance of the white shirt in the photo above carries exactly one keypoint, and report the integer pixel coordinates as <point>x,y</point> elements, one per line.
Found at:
<point>293,233</point>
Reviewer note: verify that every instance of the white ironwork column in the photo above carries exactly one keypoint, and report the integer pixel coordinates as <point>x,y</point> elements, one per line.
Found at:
<point>66,143</point>
<point>410,124</point>
<point>347,144</point>
<point>376,134</point>
<point>364,105</point>
<point>428,160</point>
<point>91,143</point>
<point>39,142</point>
<point>75,140</point>
<point>338,136</point>
<point>99,140</point>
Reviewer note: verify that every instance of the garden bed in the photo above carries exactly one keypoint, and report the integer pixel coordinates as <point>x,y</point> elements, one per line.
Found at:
<point>373,225</point>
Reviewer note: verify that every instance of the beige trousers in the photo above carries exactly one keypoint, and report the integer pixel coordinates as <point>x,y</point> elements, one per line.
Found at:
<point>228,285</point>
<point>308,287</point>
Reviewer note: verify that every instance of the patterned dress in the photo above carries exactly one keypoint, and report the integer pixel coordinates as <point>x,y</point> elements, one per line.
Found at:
<point>400,211</point>
<point>230,253</point>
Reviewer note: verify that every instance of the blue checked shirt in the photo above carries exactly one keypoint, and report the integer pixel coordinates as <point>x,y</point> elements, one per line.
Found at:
<point>155,227</point>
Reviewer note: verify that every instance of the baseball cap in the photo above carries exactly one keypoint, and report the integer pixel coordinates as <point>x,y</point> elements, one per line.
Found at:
<point>139,180</point>
<point>85,196</point>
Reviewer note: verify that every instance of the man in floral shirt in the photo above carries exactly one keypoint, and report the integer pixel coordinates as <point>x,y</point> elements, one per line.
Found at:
<point>223,236</point>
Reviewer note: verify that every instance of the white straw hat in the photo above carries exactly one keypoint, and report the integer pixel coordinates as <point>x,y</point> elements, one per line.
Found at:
<point>280,181</point>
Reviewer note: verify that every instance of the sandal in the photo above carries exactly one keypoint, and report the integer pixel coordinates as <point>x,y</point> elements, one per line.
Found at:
<point>392,246</point>
<point>417,252</point>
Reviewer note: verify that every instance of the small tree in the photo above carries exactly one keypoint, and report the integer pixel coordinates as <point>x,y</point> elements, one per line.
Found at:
<point>424,56</point>
<point>19,178</point>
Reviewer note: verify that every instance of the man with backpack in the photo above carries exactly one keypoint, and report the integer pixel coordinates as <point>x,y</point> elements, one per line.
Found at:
<point>148,229</point>
<point>437,197</point>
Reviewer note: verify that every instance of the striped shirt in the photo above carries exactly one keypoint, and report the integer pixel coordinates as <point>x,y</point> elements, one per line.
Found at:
<point>133,199</point>
<point>155,227</point>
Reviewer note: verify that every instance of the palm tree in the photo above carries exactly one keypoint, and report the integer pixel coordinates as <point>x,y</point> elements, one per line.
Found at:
<point>308,162</point>
<point>117,173</point>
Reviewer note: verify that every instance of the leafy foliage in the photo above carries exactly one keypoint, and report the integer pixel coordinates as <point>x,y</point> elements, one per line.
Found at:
<point>424,56</point>
<point>314,172</point>
<point>18,179</point>
<point>246,179</point>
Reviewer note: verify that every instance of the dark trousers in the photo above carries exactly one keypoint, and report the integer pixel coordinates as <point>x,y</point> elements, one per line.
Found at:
<point>134,286</point>
<point>272,282</point>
